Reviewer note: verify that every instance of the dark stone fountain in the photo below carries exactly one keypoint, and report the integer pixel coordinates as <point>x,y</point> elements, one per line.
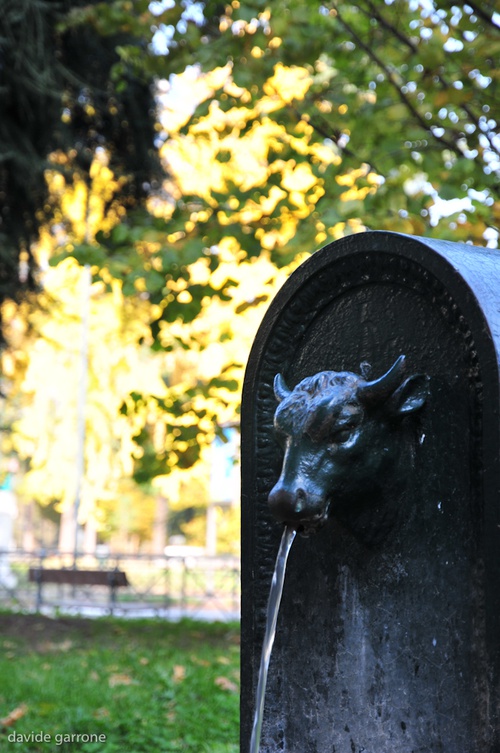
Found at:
<point>389,633</point>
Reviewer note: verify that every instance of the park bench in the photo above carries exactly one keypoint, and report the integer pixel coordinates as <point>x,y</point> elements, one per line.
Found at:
<point>113,579</point>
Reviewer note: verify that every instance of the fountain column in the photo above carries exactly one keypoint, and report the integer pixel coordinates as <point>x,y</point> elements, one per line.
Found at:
<point>386,644</point>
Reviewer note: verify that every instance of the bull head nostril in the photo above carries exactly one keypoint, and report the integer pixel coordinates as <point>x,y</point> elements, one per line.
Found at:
<point>287,504</point>
<point>300,500</point>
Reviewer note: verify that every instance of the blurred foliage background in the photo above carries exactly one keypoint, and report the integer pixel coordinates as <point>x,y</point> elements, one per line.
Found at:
<point>191,155</point>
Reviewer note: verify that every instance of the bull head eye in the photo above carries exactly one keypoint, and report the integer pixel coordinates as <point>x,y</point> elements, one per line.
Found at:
<point>342,435</point>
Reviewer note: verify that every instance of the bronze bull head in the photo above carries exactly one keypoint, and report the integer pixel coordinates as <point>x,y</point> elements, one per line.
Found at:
<point>342,442</point>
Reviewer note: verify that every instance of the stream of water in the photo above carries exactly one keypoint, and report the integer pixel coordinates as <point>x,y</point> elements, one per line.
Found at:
<point>273,607</point>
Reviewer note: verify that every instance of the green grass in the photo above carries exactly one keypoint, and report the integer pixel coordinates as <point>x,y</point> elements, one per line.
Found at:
<point>142,686</point>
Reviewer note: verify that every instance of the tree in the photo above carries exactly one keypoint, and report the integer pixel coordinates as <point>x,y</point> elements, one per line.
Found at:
<point>405,93</point>
<point>150,413</point>
<point>319,120</point>
<point>66,92</point>
<point>312,121</point>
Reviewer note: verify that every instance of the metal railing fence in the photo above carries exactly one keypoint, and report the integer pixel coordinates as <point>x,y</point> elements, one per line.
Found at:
<point>172,587</point>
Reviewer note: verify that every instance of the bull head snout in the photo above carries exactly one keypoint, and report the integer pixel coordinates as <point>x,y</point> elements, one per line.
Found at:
<point>296,508</point>
<point>286,503</point>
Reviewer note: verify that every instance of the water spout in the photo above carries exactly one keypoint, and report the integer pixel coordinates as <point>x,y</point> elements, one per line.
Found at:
<point>272,618</point>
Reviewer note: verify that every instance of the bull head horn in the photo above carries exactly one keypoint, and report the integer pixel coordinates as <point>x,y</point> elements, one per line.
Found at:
<point>280,389</point>
<point>381,389</point>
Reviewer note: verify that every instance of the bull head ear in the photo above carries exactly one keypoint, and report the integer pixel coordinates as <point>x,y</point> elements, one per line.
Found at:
<point>371,393</point>
<point>410,396</point>
<point>280,389</point>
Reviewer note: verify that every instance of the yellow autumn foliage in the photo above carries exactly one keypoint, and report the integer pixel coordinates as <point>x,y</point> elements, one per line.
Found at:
<point>288,82</point>
<point>243,147</point>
